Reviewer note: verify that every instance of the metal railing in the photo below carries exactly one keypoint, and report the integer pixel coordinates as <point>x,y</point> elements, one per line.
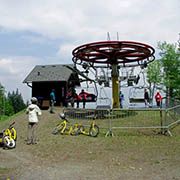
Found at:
<point>171,118</point>
<point>118,121</point>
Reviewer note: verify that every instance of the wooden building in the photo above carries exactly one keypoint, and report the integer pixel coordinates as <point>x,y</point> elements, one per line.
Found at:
<point>43,78</point>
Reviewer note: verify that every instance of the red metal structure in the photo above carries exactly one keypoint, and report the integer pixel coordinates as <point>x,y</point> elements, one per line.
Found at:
<point>125,53</point>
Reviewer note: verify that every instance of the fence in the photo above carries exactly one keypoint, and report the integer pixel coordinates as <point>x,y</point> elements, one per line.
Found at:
<point>118,121</point>
<point>171,118</point>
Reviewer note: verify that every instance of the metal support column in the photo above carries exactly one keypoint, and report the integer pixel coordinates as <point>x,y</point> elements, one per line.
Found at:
<point>115,86</point>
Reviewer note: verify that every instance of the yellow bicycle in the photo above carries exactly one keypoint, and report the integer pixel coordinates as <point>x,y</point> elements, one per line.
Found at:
<point>65,127</point>
<point>8,137</point>
<point>93,131</point>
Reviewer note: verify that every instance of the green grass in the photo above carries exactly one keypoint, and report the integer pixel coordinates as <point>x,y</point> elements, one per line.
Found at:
<point>128,149</point>
<point>4,117</point>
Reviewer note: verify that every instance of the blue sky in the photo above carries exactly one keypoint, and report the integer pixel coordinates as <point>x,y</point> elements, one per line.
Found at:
<point>46,32</point>
<point>27,43</point>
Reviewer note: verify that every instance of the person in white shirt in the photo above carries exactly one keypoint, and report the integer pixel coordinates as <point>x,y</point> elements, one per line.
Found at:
<point>33,112</point>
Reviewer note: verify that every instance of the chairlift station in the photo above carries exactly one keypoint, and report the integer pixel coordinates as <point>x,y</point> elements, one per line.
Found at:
<point>113,55</point>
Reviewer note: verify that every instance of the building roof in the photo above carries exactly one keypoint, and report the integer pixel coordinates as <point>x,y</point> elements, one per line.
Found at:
<point>46,73</point>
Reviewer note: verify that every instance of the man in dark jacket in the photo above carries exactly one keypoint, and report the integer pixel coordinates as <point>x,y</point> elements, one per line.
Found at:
<point>52,100</point>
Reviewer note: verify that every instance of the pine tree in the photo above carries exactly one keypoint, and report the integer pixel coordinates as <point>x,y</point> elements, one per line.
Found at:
<point>15,98</point>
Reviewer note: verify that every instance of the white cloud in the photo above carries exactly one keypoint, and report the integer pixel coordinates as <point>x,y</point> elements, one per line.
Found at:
<point>89,19</point>
<point>65,52</point>
<point>13,71</point>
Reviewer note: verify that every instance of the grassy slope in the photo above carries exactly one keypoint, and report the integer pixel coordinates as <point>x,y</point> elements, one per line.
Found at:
<point>131,155</point>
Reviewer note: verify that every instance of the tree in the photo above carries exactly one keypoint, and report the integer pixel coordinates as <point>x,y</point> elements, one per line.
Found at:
<point>170,59</point>
<point>154,76</point>
<point>2,99</point>
<point>15,98</point>
<point>9,110</point>
<point>11,104</point>
<point>5,106</point>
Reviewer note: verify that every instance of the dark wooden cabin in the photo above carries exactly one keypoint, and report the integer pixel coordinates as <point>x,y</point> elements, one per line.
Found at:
<point>43,78</point>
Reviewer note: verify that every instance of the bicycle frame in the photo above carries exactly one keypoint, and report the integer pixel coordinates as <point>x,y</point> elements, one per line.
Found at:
<point>65,127</point>
<point>93,131</point>
<point>11,132</point>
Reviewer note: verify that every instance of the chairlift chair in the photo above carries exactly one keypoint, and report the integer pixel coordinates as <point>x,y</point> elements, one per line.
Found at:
<point>103,101</point>
<point>136,94</point>
<point>127,74</point>
<point>90,96</point>
<point>102,76</point>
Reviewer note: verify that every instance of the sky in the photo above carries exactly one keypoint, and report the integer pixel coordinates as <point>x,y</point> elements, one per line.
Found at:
<point>45,32</point>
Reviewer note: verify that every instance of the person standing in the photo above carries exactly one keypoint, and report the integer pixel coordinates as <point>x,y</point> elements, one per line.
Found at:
<point>83,96</point>
<point>146,98</point>
<point>73,96</point>
<point>158,99</point>
<point>33,112</point>
<point>52,100</point>
<point>121,99</point>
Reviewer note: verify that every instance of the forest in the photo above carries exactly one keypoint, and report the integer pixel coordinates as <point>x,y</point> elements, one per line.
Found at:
<point>11,103</point>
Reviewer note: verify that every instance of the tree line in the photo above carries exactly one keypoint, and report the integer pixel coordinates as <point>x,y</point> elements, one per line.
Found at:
<point>10,103</point>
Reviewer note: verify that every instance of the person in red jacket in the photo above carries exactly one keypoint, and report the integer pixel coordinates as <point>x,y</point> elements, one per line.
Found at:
<point>158,99</point>
<point>83,95</point>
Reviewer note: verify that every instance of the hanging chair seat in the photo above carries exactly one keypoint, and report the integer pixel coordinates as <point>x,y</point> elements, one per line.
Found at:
<point>87,98</point>
<point>83,98</point>
<point>136,100</point>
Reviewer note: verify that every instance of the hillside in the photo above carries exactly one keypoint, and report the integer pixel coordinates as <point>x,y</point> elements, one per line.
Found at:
<point>57,157</point>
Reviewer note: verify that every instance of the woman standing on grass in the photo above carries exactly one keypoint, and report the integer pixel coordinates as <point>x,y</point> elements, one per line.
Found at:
<point>33,112</point>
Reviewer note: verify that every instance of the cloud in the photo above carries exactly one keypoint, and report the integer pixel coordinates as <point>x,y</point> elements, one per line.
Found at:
<point>44,31</point>
<point>13,71</point>
<point>88,19</point>
<point>65,52</point>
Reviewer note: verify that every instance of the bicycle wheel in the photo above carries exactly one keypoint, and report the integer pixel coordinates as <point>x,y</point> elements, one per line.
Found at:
<point>9,142</point>
<point>57,129</point>
<point>94,131</point>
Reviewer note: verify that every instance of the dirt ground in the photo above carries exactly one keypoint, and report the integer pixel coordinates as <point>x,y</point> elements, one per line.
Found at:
<point>63,157</point>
